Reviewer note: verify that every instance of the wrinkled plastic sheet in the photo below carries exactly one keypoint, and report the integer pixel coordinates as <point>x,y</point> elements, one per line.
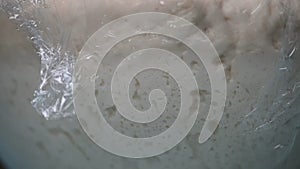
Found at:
<point>53,98</point>
<point>49,33</point>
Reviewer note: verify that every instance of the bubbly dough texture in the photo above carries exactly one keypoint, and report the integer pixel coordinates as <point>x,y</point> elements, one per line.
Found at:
<point>251,38</point>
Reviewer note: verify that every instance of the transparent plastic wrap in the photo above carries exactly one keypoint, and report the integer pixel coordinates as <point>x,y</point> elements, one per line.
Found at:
<point>257,42</point>
<point>53,98</point>
<point>46,26</point>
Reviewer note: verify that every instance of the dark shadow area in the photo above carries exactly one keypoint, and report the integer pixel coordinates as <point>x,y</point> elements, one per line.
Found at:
<point>2,165</point>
